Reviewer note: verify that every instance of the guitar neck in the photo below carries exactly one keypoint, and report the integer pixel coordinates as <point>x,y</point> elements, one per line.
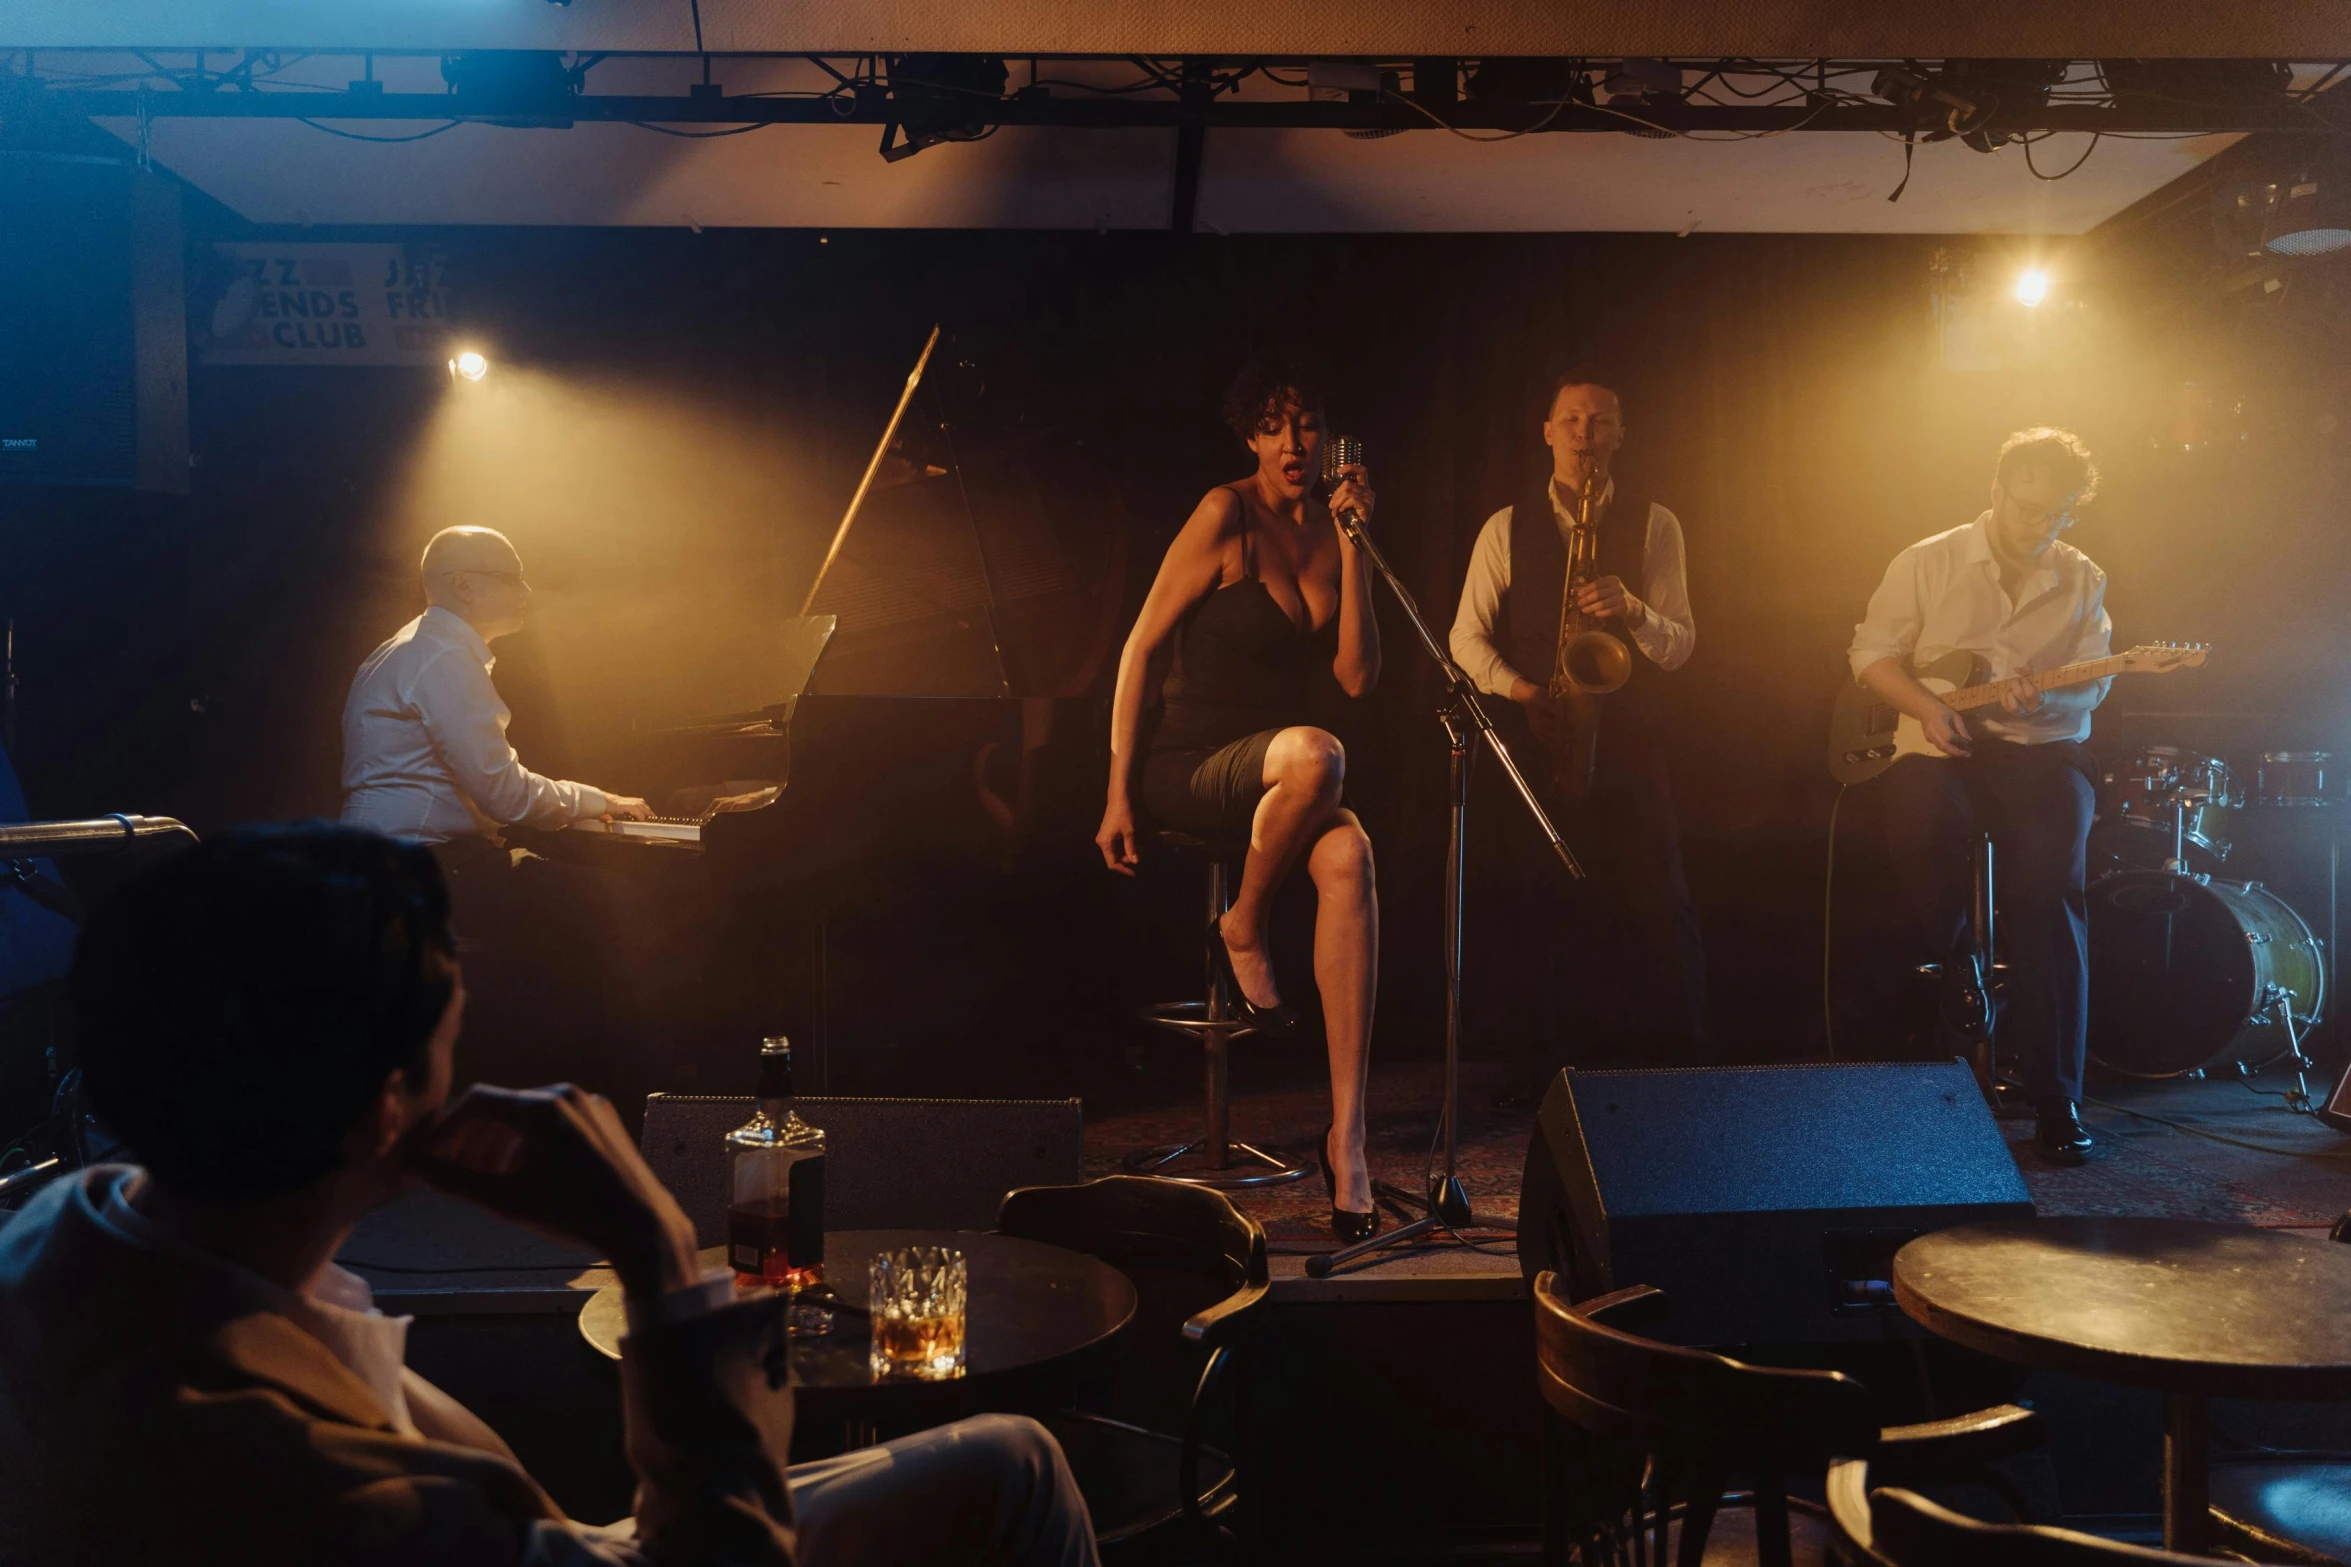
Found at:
<point>2047,680</point>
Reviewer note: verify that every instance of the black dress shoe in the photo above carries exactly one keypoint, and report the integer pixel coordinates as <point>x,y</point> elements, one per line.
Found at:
<point>1276,1021</point>
<point>2060,1135</point>
<point>1346,1223</point>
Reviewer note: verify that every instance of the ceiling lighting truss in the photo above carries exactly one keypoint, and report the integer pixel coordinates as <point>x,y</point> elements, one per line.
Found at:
<point>958,97</point>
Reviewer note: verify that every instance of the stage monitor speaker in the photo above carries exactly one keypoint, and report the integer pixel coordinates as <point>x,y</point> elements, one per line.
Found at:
<point>1766,1202</point>
<point>93,325</point>
<point>890,1164</point>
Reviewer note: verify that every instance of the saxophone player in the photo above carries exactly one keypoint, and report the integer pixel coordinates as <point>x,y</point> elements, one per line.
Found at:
<point>1610,970</point>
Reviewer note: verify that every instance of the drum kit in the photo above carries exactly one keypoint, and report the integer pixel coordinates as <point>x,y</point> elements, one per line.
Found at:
<point>2192,972</point>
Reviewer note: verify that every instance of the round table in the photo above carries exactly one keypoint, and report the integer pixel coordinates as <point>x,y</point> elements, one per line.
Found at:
<point>2193,1309</point>
<point>1031,1307</point>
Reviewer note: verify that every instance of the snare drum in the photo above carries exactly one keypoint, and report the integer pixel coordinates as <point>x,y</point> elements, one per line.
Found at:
<point>2296,778</point>
<point>2160,779</point>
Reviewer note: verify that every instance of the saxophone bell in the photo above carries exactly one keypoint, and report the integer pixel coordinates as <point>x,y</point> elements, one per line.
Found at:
<point>1595,663</point>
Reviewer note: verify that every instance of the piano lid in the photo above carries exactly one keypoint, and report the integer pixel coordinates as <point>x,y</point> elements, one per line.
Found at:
<point>988,560</point>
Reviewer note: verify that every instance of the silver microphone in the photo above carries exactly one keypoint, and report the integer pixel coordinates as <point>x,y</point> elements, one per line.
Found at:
<point>1341,452</point>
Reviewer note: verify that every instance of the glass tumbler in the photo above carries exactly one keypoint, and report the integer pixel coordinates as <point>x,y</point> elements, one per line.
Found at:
<point>916,1302</point>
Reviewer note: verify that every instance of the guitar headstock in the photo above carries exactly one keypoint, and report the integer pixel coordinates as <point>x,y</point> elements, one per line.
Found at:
<point>2157,658</point>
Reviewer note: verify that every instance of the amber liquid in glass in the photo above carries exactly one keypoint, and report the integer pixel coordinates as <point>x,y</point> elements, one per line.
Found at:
<point>918,1343</point>
<point>759,1247</point>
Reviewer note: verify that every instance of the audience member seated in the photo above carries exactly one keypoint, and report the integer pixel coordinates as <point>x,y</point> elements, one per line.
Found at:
<point>185,1376</point>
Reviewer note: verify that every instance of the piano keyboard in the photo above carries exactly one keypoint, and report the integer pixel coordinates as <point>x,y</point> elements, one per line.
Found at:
<point>658,829</point>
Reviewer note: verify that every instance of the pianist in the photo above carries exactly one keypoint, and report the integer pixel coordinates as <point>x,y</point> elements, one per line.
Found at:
<point>424,735</point>
<point>425,758</point>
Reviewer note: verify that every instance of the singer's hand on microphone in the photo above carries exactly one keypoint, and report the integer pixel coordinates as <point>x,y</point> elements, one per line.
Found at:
<point>1353,493</point>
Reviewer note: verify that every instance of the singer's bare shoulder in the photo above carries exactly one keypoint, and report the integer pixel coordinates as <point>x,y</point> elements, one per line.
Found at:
<point>1221,517</point>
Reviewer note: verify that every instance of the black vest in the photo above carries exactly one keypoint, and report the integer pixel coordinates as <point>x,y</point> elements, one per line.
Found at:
<point>1529,634</point>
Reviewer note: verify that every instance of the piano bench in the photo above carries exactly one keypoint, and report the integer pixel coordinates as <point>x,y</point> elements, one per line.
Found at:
<point>1214,1158</point>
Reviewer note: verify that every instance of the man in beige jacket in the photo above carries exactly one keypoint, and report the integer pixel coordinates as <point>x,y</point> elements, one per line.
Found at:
<point>185,1376</point>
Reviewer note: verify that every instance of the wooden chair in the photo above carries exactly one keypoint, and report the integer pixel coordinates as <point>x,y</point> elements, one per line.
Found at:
<point>1893,1527</point>
<point>1146,1465</point>
<point>1645,1437</point>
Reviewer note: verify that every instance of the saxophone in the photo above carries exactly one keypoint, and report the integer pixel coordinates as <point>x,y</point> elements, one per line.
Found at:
<point>1590,664</point>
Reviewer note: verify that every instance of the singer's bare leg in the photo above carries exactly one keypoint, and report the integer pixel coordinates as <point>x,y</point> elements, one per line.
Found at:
<point>1346,967</point>
<point>1303,771</point>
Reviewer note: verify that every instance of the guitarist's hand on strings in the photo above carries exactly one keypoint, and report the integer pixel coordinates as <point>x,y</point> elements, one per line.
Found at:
<point>1946,730</point>
<point>2022,701</point>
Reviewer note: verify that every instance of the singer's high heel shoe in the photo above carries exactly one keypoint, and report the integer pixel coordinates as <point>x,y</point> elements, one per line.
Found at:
<point>1346,1223</point>
<point>1277,1021</point>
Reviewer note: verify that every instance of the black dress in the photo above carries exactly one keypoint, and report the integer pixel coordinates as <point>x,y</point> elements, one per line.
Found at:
<point>1239,679</point>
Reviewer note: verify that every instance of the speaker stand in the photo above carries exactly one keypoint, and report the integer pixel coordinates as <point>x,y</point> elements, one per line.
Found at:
<point>1466,723</point>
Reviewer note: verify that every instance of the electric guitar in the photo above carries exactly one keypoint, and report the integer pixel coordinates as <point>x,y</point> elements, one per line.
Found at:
<point>1867,735</point>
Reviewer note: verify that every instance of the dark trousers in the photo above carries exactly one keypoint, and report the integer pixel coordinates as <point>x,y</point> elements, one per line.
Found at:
<point>547,998</point>
<point>2036,802</point>
<point>1608,971</point>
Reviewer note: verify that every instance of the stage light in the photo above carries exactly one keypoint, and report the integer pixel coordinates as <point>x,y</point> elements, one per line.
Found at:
<point>468,365</point>
<point>2312,216</point>
<point>2032,287</point>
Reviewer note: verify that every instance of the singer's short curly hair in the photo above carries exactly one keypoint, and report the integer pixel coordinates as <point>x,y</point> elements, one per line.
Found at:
<point>2058,454</point>
<point>242,1002</point>
<point>1271,380</point>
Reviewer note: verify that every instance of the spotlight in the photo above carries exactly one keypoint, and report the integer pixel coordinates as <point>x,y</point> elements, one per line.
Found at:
<point>2032,287</point>
<point>938,98</point>
<point>469,365</point>
<point>2311,215</point>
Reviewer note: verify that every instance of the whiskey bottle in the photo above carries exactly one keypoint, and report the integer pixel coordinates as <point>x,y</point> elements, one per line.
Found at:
<point>775,1213</point>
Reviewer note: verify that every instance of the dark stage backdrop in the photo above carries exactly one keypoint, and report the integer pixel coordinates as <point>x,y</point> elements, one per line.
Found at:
<point>675,421</point>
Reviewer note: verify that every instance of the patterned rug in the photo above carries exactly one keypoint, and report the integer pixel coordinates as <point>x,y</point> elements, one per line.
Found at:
<point>2171,1149</point>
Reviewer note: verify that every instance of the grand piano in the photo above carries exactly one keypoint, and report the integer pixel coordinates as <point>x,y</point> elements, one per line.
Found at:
<point>830,829</point>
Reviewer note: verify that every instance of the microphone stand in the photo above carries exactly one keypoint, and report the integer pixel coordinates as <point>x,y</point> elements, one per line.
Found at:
<point>1466,722</point>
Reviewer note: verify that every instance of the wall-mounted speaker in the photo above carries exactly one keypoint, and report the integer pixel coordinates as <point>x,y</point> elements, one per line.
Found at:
<point>93,324</point>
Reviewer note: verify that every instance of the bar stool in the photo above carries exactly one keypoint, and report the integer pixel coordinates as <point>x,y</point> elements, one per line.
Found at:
<point>1217,1159</point>
<point>1983,1052</point>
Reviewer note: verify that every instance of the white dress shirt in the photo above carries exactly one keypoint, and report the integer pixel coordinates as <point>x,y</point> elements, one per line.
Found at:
<point>1943,595</point>
<point>424,743</point>
<point>1662,629</point>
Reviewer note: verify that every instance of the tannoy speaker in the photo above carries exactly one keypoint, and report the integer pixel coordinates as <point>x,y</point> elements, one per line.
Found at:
<point>93,324</point>
<point>1766,1202</point>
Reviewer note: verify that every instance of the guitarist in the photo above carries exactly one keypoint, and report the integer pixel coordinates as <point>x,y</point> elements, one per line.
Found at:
<point>1505,637</point>
<point>2004,588</point>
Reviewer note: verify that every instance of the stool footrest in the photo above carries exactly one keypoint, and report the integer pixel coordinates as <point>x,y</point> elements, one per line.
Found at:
<point>1191,1018</point>
<point>1246,1166</point>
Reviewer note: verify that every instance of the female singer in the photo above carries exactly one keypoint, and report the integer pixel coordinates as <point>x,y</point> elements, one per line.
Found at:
<point>1258,586</point>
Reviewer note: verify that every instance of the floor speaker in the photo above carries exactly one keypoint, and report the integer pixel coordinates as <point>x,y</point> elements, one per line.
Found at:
<point>1766,1202</point>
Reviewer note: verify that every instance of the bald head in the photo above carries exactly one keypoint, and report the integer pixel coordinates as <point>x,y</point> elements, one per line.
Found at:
<point>453,550</point>
<point>475,574</point>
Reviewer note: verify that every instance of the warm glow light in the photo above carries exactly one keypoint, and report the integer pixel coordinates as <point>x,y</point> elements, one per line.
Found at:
<point>470,365</point>
<point>2032,286</point>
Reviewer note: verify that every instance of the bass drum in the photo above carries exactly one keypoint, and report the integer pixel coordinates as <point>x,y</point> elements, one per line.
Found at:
<point>2181,970</point>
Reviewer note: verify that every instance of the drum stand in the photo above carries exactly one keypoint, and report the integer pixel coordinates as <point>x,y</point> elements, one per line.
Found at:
<point>2277,1003</point>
